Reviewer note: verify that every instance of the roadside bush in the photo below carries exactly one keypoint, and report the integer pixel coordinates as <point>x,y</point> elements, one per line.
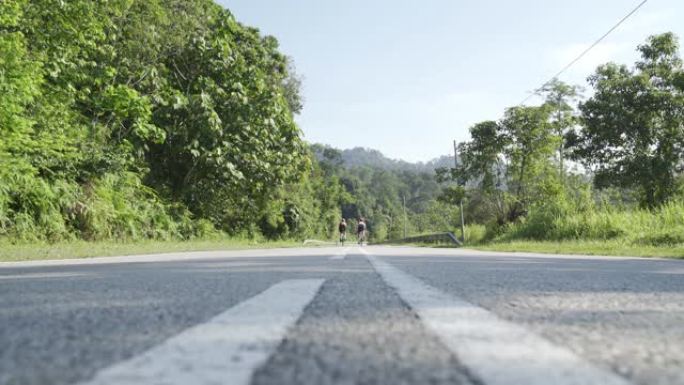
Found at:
<point>475,234</point>
<point>31,208</point>
<point>663,226</point>
<point>121,207</point>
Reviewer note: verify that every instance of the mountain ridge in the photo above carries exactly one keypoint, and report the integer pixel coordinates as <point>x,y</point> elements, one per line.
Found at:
<point>363,156</point>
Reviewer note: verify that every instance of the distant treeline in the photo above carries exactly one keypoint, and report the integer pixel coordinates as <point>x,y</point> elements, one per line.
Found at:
<point>359,156</point>
<point>393,196</point>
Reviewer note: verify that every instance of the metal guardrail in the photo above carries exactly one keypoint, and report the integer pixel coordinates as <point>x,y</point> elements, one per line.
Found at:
<point>447,237</point>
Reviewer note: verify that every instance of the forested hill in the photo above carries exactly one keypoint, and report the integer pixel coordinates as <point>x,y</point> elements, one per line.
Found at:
<point>360,156</point>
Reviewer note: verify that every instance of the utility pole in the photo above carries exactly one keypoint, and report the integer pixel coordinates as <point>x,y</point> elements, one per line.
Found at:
<point>461,202</point>
<point>405,218</point>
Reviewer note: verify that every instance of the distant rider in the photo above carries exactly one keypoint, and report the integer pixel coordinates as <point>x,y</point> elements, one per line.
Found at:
<point>361,231</point>
<point>343,231</point>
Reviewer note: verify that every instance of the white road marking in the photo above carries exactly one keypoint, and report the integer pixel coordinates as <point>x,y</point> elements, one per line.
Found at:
<point>499,352</point>
<point>45,275</point>
<point>178,257</point>
<point>226,349</point>
<point>342,254</point>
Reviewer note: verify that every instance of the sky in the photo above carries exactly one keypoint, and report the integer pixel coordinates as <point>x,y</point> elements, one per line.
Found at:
<point>408,77</point>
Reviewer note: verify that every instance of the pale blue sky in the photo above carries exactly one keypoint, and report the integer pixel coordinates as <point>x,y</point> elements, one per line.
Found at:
<point>408,77</point>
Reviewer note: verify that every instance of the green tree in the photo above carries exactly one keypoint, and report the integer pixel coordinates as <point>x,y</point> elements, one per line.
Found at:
<point>633,135</point>
<point>292,88</point>
<point>481,157</point>
<point>232,140</point>
<point>561,97</point>
<point>530,145</point>
<point>482,165</point>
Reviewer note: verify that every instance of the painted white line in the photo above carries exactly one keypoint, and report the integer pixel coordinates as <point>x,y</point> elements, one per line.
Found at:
<point>499,352</point>
<point>225,350</point>
<point>46,275</point>
<point>341,255</point>
<point>178,257</point>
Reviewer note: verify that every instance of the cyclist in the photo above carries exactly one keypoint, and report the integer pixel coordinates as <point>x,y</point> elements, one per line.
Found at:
<point>361,231</point>
<point>342,227</point>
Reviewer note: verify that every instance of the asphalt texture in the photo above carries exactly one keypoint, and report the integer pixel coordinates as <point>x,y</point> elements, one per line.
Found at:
<point>62,322</point>
<point>358,331</point>
<point>624,314</point>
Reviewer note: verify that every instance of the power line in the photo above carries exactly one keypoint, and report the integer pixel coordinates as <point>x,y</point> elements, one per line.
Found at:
<point>578,58</point>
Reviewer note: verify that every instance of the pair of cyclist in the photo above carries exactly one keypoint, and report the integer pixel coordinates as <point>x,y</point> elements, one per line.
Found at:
<point>360,231</point>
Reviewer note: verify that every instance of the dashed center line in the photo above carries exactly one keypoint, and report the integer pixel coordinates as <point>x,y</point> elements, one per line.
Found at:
<point>499,352</point>
<point>226,349</point>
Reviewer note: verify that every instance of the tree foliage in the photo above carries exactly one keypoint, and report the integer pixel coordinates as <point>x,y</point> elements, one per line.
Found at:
<point>628,137</point>
<point>131,118</point>
<point>507,164</point>
<point>633,127</point>
<point>561,98</point>
<point>481,159</point>
<point>376,188</point>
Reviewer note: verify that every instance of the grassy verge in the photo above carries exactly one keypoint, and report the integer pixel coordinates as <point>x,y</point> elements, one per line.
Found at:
<point>626,246</point>
<point>614,248</point>
<point>635,233</point>
<point>82,249</point>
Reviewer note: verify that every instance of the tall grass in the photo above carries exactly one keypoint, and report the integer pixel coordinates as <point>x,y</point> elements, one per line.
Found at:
<point>475,234</point>
<point>114,206</point>
<point>663,226</point>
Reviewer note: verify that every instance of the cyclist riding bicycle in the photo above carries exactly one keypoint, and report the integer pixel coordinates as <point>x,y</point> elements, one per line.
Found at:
<point>361,231</point>
<point>343,231</point>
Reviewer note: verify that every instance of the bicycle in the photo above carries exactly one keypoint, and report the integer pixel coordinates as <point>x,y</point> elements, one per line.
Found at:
<point>361,237</point>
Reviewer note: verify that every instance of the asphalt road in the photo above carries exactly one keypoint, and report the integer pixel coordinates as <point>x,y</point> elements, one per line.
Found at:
<point>371,315</point>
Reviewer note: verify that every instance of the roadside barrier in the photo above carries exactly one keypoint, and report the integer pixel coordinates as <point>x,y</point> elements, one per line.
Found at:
<point>436,238</point>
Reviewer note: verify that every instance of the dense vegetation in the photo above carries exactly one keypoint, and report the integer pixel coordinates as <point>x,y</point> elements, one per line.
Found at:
<point>168,119</point>
<point>137,119</point>
<point>605,168</point>
<point>394,196</point>
<point>132,119</point>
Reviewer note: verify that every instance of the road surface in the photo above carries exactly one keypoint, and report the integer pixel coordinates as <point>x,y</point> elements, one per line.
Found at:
<point>345,315</point>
